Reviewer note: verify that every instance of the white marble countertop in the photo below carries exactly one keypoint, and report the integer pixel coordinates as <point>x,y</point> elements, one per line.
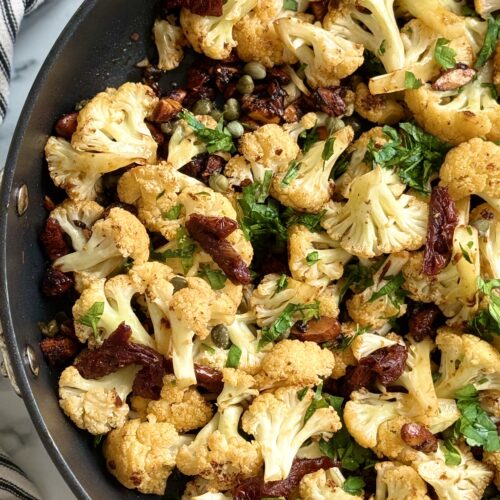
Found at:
<point>18,437</point>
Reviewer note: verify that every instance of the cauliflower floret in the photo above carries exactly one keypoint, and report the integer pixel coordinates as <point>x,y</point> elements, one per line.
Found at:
<point>328,58</point>
<point>269,147</point>
<point>375,220</point>
<point>219,454</point>
<point>364,345</point>
<point>293,362</point>
<point>490,402</point>
<point>314,257</point>
<point>366,411</point>
<point>371,308</point>
<point>371,23</point>
<point>492,460</point>
<point>380,109</point>
<point>213,36</point>
<point>458,115</point>
<point>324,485</point>
<point>115,296</point>
<point>420,44</point>
<point>473,167</point>
<point>487,221</point>
<point>169,41</point>
<point>256,36</point>
<point>200,488</point>
<point>466,359</point>
<point>184,408</point>
<point>96,406</point>
<point>357,165</point>
<point>141,455</point>
<point>304,184</point>
<point>76,218</point>
<point>113,122</point>
<point>276,420</point>
<point>399,482</point>
<point>485,7</point>
<point>238,170</point>
<point>239,387</point>
<point>114,239</point>
<point>184,144</point>
<point>79,172</point>
<point>466,481</point>
<point>154,190</point>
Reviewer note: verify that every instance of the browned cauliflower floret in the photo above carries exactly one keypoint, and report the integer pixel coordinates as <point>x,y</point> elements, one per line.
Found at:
<point>154,190</point>
<point>96,406</point>
<point>324,485</point>
<point>141,455</point>
<point>473,167</point>
<point>492,460</point>
<point>293,362</point>
<point>213,36</point>
<point>379,109</point>
<point>399,482</point>
<point>169,41</point>
<point>185,409</point>
<point>490,402</point>
<point>239,387</point>
<point>458,115</point>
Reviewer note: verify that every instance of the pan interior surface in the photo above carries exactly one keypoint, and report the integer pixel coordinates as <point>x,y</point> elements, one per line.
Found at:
<point>95,51</point>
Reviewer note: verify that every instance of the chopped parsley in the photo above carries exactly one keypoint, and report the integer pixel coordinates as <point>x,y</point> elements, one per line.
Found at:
<point>281,284</point>
<point>233,357</point>
<point>451,454</point>
<point>357,277</point>
<point>290,315</point>
<point>264,187</point>
<point>392,289</point>
<point>327,152</point>
<point>173,213</point>
<point>312,258</point>
<point>444,55</point>
<point>310,137</point>
<point>311,221</point>
<point>208,348</point>
<point>215,277</point>
<point>354,485</point>
<point>302,392</point>
<point>185,250</point>
<point>290,5</point>
<point>92,317</point>
<point>411,81</point>
<point>291,174</point>
<point>320,400</point>
<point>486,324</point>
<point>489,43</point>
<point>382,48</point>
<point>218,139</point>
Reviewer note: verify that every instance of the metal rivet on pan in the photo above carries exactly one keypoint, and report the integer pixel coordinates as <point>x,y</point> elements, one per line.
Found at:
<point>32,361</point>
<point>22,199</point>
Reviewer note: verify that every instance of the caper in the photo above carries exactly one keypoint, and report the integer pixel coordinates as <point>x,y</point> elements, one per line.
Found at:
<point>245,85</point>
<point>218,183</point>
<point>220,337</point>
<point>231,109</point>
<point>333,123</point>
<point>256,70</point>
<point>203,107</point>
<point>216,114</point>
<point>178,283</point>
<point>235,128</point>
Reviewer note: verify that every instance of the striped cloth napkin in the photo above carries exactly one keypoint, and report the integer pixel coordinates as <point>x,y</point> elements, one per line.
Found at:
<point>11,14</point>
<point>14,484</point>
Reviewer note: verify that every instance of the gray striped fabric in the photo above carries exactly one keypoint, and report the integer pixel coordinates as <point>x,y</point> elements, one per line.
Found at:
<point>11,14</point>
<point>14,484</point>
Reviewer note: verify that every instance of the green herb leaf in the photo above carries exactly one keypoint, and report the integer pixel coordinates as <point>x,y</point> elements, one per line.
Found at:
<point>97,440</point>
<point>474,424</point>
<point>444,55</point>
<point>302,392</point>
<point>92,317</point>
<point>489,43</point>
<point>311,221</point>
<point>290,315</point>
<point>215,277</point>
<point>263,192</point>
<point>486,324</point>
<point>208,348</point>
<point>312,258</point>
<point>382,48</point>
<point>233,357</point>
<point>310,137</point>
<point>354,485</point>
<point>291,173</point>
<point>357,277</point>
<point>173,213</point>
<point>281,284</point>
<point>217,139</point>
<point>343,342</point>
<point>327,152</point>
<point>411,81</point>
<point>392,289</point>
<point>290,5</point>
<point>465,254</point>
<point>451,454</point>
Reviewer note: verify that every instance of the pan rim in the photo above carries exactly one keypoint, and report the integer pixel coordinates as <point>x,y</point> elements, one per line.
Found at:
<point>7,197</point>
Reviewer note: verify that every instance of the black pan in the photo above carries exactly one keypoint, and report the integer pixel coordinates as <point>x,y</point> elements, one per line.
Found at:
<point>93,52</point>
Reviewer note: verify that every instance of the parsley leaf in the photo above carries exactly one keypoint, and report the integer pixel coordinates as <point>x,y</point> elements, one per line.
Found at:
<point>292,172</point>
<point>281,284</point>
<point>392,289</point>
<point>312,258</point>
<point>173,213</point>
<point>474,424</point>
<point>310,137</point>
<point>320,400</point>
<point>290,5</point>
<point>451,454</point>
<point>382,48</point>
<point>264,187</point>
<point>414,154</point>
<point>233,357</point>
<point>97,440</point>
<point>486,324</point>
<point>208,348</point>
<point>444,55</point>
<point>327,152</point>
<point>311,221</point>
<point>215,277</point>
<point>217,139</point>
<point>343,342</point>
<point>185,250</point>
<point>290,315</point>
<point>411,81</point>
<point>354,485</point>
<point>357,277</point>
<point>301,393</point>
<point>489,43</point>
<point>92,316</point>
